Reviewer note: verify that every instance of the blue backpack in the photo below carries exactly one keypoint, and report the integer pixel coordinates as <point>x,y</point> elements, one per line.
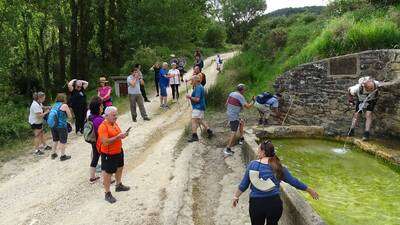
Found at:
<point>264,97</point>
<point>52,120</point>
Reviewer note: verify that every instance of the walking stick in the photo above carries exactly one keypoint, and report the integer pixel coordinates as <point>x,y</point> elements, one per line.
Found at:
<point>287,113</point>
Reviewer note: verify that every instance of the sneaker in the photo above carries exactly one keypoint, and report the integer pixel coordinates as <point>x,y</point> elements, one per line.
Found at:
<point>157,95</point>
<point>365,136</point>
<point>241,141</point>
<point>47,147</point>
<point>64,157</point>
<point>134,120</point>
<point>351,132</point>
<point>109,198</point>
<point>146,119</point>
<point>193,138</point>
<point>260,121</point>
<point>38,152</point>
<point>93,179</point>
<point>120,187</point>
<point>228,152</point>
<point>210,133</point>
<point>146,100</point>
<point>54,155</point>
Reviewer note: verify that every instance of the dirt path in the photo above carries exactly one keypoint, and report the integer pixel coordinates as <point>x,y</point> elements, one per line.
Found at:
<point>172,182</point>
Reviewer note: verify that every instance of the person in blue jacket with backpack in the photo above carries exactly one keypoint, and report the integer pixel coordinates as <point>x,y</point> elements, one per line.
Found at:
<point>58,123</point>
<point>267,104</point>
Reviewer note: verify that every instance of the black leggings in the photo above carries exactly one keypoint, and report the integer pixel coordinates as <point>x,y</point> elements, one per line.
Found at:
<point>269,208</point>
<point>80,115</point>
<point>175,91</point>
<point>157,84</point>
<point>95,156</point>
<point>143,91</point>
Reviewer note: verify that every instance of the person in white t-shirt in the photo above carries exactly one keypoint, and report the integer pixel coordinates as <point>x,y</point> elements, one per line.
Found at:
<point>36,114</point>
<point>218,61</point>
<point>174,81</point>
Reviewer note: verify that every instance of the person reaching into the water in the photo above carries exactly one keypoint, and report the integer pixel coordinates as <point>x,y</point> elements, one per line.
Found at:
<point>264,176</point>
<point>234,105</point>
<point>267,104</point>
<point>363,96</point>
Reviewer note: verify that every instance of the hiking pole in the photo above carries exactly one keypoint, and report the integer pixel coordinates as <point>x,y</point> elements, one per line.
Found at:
<point>287,113</point>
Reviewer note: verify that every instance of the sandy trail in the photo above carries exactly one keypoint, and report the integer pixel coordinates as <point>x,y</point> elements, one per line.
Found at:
<point>171,182</point>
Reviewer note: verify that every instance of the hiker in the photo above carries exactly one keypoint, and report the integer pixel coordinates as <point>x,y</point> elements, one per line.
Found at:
<point>174,81</point>
<point>96,110</point>
<point>78,103</point>
<point>135,96</point>
<point>60,129</point>
<point>265,203</point>
<point>104,92</point>
<point>218,61</point>
<point>156,68</point>
<point>109,143</point>
<point>197,53</point>
<point>199,62</point>
<point>197,72</point>
<point>181,67</point>
<point>198,101</point>
<point>234,105</point>
<point>164,83</point>
<point>266,105</point>
<point>36,114</point>
<point>142,88</point>
<point>363,96</point>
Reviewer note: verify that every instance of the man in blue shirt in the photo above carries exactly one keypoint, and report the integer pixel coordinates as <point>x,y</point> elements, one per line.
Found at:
<point>266,105</point>
<point>164,83</point>
<point>198,100</point>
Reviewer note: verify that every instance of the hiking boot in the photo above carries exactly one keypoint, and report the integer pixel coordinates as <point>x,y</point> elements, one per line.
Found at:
<point>260,121</point>
<point>64,157</point>
<point>54,155</point>
<point>146,119</point>
<point>351,132</point>
<point>47,147</point>
<point>38,152</point>
<point>241,141</point>
<point>109,198</point>
<point>365,136</point>
<point>228,152</point>
<point>147,100</point>
<point>194,138</point>
<point>157,95</point>
<point>120,187</point>
<point>134,120</point>
<point>210,133</point>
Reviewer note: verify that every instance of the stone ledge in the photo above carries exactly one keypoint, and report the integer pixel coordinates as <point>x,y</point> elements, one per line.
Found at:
<point>296,210</point>
<point>297,131</point>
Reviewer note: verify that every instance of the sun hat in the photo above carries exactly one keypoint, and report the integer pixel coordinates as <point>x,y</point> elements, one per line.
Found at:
<point>103,80</point>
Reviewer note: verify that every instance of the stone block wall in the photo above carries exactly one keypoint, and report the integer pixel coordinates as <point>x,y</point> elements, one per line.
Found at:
<point>319,92</point>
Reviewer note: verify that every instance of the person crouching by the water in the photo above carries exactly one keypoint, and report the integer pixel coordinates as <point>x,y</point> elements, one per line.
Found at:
<point>267,104</point>
<point>363,96</point>
<point>109,143</point>
<point>78,102</point>
<point>104,92</point>
<point>198,100</point>
<point>36,114</point>
<point>264,176</point>
<point>96,110</point>
<point>234,105</point>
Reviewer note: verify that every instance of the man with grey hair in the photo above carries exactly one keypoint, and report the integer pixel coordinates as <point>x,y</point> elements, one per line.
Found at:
<point>198,100</point>
<point>109,144</point>
<point>135,96</point>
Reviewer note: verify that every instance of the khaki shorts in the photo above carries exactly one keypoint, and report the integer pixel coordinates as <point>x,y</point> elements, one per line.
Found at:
<point>197,114</point>
<point>263,109</point>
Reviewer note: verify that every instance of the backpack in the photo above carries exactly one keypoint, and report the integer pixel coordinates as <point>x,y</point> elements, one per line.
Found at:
<point>89,133</point>
<point>52,119</point>
<point>203,79</point>
<point>264,97</point>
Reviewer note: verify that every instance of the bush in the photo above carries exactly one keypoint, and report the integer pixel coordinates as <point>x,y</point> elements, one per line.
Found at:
<point>215,36</point>
<point>145,56</point>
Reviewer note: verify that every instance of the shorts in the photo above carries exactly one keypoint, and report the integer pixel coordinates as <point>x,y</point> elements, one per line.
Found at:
<point>262,108</point>
<point>163,91</point>
<point>197,114</point>
<point>370,105</point>
<point>37,126</point>
<point>110,163</point>
<point>234,125</point>
<point>60,134</point>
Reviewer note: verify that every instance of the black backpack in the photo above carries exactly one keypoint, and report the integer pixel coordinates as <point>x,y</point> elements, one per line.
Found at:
<point>203,80</point>
<point>264,97</point>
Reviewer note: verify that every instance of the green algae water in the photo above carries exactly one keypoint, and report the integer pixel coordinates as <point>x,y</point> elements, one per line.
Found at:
<point>354,187</point>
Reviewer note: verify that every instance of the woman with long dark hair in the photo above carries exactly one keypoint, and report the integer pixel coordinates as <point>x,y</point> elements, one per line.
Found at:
<point>96,110</point>
<point>264,176</point>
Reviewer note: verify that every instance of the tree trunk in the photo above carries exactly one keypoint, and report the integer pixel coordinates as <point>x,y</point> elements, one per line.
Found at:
<point>27,50</point>
<point>74,39</point>
<point>113,40</point>
<point>102,32</point>
<point>85,31</point>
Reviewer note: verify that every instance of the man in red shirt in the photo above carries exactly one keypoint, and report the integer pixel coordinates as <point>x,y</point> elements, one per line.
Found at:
<point>109,143</point>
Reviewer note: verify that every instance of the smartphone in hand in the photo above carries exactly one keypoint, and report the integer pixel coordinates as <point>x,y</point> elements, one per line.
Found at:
<point>127,131</point>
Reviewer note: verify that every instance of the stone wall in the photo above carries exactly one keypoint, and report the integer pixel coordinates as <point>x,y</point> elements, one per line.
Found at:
<point>319,92</point>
